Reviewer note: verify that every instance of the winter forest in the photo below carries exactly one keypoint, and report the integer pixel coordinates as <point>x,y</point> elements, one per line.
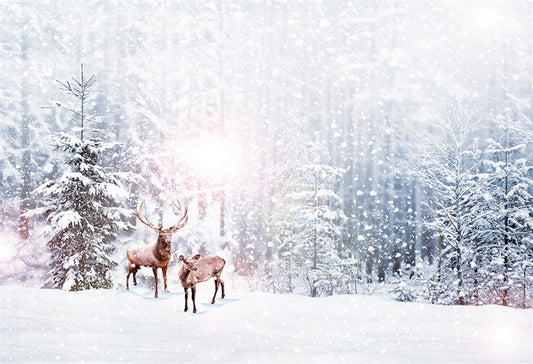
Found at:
<point>322,147</point>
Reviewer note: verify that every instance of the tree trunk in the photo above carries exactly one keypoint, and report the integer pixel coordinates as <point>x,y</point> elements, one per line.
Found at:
<point>506,264</point>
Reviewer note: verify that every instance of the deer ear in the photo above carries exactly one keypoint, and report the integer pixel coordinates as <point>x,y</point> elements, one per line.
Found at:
<point>196,257</point>
<point>182,258</point>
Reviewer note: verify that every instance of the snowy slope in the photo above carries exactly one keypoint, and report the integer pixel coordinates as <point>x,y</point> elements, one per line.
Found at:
<point>40,325</point>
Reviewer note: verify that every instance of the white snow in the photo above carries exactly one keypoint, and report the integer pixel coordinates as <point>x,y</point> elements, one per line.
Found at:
<point>39,325</point>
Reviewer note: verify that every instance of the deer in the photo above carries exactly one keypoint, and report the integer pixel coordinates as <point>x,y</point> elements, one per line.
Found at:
<point>195,270</point>
<point>156,255</point>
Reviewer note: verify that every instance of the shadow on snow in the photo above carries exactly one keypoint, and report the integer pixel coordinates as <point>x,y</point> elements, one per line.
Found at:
<point>203,307</point>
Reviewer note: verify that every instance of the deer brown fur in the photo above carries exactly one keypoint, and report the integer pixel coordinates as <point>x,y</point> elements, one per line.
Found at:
<point>195,270</point>
<point>156,255</point>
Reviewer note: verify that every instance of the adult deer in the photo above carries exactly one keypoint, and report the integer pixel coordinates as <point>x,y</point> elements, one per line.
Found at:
<point>156,255</point>
<point>198,269</point>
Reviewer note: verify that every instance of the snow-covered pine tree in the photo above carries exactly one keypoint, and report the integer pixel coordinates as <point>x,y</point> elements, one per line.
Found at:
<point>280,273</point>
<point>82,207</point>
<point>450,171</point>
<point>309,224</point>
<point>507,240</point>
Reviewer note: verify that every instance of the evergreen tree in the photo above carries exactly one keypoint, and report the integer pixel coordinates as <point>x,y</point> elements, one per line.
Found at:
<point>508,232</point>
<point>308,226</point>
<point>450,170</point>
<point>82,206</point>
<point>280,271</point>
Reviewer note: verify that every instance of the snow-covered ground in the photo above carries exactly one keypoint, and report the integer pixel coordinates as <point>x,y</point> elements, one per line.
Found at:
<point>39,325</point>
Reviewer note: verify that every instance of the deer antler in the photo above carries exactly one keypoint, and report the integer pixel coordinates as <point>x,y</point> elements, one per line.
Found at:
<point>183,219</point>
<point>140,216</point>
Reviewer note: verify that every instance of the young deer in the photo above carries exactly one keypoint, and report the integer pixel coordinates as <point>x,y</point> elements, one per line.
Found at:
<point>198,269</point>
<point>156,255</point>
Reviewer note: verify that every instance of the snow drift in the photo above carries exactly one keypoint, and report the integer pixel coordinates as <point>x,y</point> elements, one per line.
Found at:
<point>39,325</point>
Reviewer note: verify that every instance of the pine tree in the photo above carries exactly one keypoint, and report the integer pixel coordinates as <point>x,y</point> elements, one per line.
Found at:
<point>450,170</point>
<point>508,234</point>
<point>82,206</point>
<point>319,229</point>
<point>308,224</point>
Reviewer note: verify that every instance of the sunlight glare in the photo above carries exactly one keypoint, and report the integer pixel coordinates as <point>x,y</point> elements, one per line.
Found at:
<point>220,157</point>
<point>502,339</point>
<point>7,250</point>
<point>485,19</point>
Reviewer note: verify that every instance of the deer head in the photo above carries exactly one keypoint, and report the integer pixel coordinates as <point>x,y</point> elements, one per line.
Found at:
<point>190,263</point>
<point>165,235</point>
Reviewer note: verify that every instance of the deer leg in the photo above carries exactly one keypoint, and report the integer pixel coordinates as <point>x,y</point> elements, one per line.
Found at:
<point>164,269</point>
<point>216,290</point>
<point>132,268</point>
<point>135,270</point>
<point>128,277</point>
<point>154,269</point>
<point>186,297</point>
<point>193,289</point>
<point>221,282</point>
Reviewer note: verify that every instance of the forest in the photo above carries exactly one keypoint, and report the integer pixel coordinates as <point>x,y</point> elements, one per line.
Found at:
<point>322,147</point>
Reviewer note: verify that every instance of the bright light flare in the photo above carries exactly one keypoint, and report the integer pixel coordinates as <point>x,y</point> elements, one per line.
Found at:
<point>7,249</point>
<point>504,338</point>
<point>218,157</point>
<point>485,19</point>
